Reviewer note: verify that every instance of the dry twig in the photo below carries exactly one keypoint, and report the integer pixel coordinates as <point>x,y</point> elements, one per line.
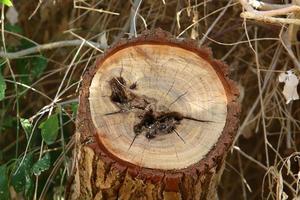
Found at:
<point>49,46</point>
<point>268,16</point>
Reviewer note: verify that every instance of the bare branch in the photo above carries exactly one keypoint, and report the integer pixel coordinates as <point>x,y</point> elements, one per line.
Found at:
<point>44,47</point>
<point>134,12</point>
<point>269,11</point>
<point>268,19</point>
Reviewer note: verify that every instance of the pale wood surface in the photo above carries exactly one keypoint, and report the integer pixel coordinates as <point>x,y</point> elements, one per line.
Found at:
<point>175,78</point>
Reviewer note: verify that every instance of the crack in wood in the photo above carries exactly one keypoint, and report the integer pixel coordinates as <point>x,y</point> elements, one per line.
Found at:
<point>152,121</point>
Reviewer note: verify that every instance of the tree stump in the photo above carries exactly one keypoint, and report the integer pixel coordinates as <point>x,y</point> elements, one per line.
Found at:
<point>156,119</point>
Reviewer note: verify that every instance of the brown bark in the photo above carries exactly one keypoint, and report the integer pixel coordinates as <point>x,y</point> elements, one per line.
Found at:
<point>133,146</point>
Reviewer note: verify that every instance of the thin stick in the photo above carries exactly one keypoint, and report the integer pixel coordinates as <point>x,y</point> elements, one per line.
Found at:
<point>268,16</point>
<point>288,47</point>
<point>14,79</point>
<point>215,22</point>
<point>267,19</point>
<point>269,9</point>
<point>196,22</point>
<point>86,41</point>
<point>136,7</point>
<point>97,10</point>
<point>268,6</point>
<point>94,9</point>
<point>281,11</point>
<point>29,87</point>
<point>250,158</point>
<point>49,46</point>
<point>263,116</point>
<point>36,9</point>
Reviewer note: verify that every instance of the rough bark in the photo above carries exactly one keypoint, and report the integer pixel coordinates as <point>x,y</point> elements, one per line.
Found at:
<point>109,167</point>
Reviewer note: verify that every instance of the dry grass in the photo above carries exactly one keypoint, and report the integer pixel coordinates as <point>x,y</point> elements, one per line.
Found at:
<point>264,162</point>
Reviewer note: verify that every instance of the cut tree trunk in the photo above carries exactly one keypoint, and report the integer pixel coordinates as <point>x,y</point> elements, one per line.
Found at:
<point>156,119</point>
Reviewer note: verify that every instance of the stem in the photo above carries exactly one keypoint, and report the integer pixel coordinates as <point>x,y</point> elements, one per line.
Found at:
<point>48,46</point>
<point>14,79</point>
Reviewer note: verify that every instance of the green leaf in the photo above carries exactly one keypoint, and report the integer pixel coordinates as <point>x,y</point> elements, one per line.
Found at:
<point>21,172</point>
<point>23,66</point>
<point>74,107</point>
<point>29,186</point>
<point>13,28</point>
<point>6,2</point>
<point>2,62</point>
<point>41,165</point>
<point>39,64</point>
<point>31,68</point>
<point>25,44</point>
<point>27,126</point>
<point>4,190</point>
<point>49,129</point>
<point>2,87</point>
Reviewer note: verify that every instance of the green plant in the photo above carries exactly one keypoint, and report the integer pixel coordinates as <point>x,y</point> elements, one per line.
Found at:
<point>2,83</point>
<point>6,2</point>
<point>25,168</point>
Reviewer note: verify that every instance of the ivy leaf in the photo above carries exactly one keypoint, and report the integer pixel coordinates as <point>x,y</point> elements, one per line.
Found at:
<point>4,190</point>
<point>6,2</point>
<point>27,126</point>
<point>38,64</point>
<point>29,186</point>
<point>41,165</point>
<point>49,129</point>
<point>2,87</point>
<point>13,28</point>
<point>31,68</point>
<point>21,173</point>
<point>23,67</point>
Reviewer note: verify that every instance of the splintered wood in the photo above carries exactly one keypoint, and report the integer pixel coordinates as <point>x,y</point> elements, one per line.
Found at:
<point>160,116</point>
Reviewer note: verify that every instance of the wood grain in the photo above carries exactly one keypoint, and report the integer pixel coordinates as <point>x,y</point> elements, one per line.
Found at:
<point>173,77</point>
